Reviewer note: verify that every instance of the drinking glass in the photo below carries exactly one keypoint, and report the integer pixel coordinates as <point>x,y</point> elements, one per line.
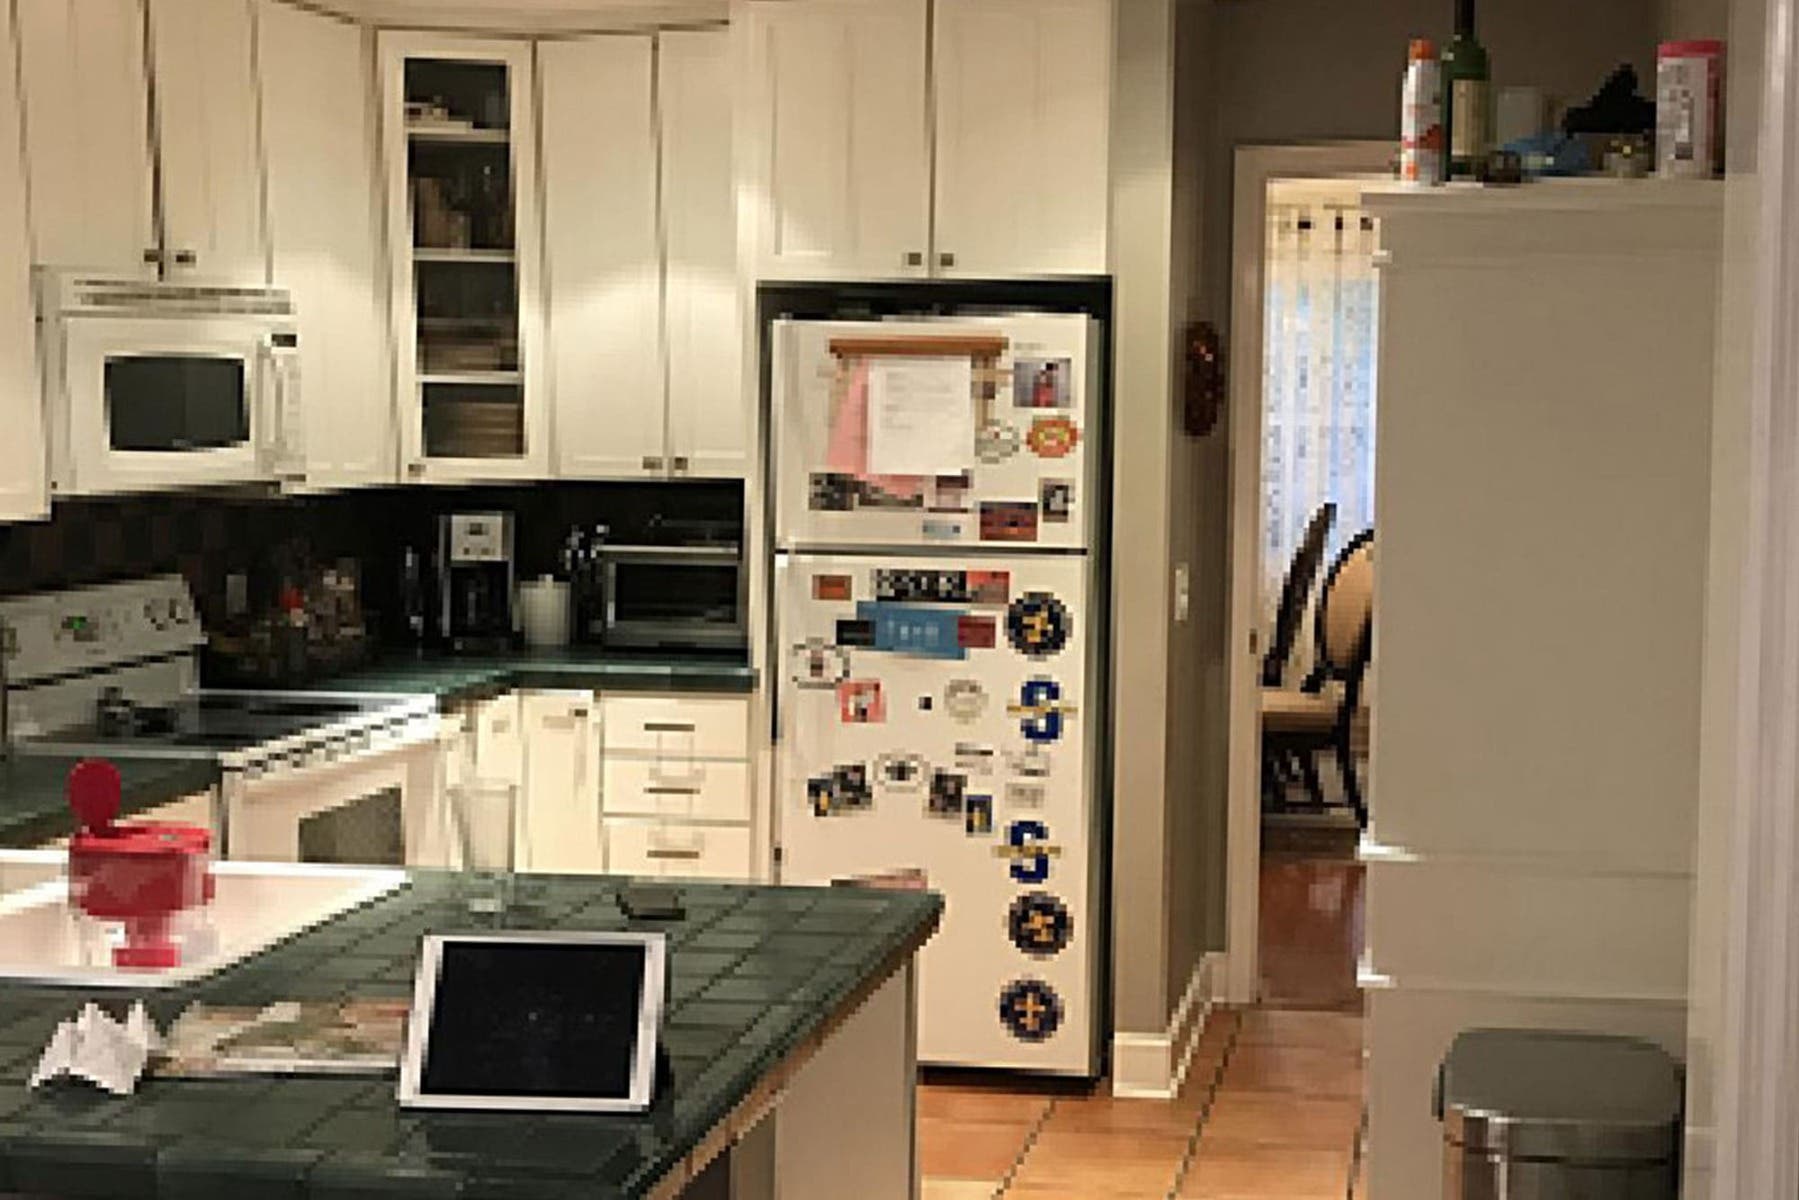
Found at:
<point>485,815</point>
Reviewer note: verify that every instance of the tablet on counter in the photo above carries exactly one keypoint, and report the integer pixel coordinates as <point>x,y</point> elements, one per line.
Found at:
<point>551,1022</point>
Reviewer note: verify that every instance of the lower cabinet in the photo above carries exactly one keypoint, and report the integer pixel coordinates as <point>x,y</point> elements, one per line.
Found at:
<point>624,784</point>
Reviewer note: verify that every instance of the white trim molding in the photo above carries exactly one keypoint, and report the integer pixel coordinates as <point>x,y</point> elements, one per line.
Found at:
<point>1153,1066</point>
<point>1757,1088</point>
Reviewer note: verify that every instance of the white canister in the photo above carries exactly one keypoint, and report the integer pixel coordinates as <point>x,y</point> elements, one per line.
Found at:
<point>544,612</point>
<point>1689,109</point>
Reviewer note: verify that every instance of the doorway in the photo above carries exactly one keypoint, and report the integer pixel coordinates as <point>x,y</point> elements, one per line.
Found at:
<point>1304,320</point>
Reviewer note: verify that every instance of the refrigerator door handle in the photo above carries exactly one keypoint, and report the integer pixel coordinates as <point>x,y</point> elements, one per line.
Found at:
<point>777,590</point>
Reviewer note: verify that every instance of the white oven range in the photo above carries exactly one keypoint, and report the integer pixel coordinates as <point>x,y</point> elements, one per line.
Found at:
<point>112,672</point>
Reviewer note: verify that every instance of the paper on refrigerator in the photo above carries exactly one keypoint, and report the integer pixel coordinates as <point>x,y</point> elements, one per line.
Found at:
<point>920,416</point>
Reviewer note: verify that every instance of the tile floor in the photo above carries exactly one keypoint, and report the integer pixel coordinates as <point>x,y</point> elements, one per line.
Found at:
<point>1271,1106</point>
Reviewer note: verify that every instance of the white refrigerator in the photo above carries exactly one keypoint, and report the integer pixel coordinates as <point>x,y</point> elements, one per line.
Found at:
<point>940,641</point>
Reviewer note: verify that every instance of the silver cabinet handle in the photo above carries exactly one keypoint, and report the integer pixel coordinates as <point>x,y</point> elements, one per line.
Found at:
<point>661,852</point>
<point>415,469</point>
<point>915,258</point>
<point>655,790</point>
<point>946,259</point>
<point>668,726</point>
<point>651,463</point>
<point>678,463</point>
<point>186,258</point>
<point>152,256</point>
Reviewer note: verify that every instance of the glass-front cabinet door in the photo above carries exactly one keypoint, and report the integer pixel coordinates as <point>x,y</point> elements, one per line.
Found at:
<point>462,221</point>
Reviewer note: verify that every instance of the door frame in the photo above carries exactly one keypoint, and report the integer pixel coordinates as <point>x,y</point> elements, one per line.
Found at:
<point>1255,167</point>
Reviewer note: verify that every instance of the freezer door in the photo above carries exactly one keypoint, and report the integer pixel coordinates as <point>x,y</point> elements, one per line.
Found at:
<point>853,400</point>
<point>934,718</point>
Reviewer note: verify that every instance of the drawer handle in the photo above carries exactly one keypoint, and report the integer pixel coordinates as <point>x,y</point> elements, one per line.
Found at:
<point>671,791</point>
<point>663,852</point>
<point>668,726</point>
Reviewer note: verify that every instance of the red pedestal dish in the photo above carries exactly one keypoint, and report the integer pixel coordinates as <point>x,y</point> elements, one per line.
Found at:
<point>139,873</point>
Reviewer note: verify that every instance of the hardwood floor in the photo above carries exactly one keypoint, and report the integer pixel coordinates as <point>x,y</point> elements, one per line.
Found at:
<point>1271,1107</point>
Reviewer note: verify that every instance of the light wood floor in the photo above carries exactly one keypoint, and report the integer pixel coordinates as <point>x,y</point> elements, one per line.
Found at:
<point>1271,1107</point>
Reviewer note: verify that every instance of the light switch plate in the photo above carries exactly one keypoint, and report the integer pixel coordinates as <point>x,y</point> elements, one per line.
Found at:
<point>1183,593</point>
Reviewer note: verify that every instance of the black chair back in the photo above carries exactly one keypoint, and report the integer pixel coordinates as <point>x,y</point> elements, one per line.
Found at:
<point>1295,590</point>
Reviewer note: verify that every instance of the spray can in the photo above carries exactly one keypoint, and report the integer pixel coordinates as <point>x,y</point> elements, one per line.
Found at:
<point>1421,115</point>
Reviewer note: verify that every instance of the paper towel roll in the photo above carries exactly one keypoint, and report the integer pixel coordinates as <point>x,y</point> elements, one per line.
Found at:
<point>543,609</point>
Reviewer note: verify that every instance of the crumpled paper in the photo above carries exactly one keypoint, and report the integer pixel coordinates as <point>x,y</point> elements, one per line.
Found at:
<point>93,1046</point>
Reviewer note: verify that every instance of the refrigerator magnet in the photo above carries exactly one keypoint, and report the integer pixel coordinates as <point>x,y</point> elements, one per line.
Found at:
<point>938,529</point>
<point>833,587</point>
<point>1056,500</point>
<point>861,702</point>
<point>857,633</point>
<point>977,633</point>
<point>974,758</point>
<point>1024,795</point>
<point>978,817</point>
<point>1040,925</point>
<point>818,664</point>
<point>948,796</point>
<point>1041,382</point>
<point>965,699</point>
<point>901,772</point>
<point>1053,437</point>
<point>992,588</point>
<point>1029,850</point>
<point>849,785</point>
<point>995,442</point>
<point>830,492</point>
<point>1038,625</point>
<point>909,629</point>
<point>1030,1010</point>
<point>1031,762</point>
<point>951,493</point>
<point>1040,710</point>
<point>1009,521</point>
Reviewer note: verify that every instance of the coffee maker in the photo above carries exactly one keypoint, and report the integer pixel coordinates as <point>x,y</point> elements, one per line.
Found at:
<point>475,574</point>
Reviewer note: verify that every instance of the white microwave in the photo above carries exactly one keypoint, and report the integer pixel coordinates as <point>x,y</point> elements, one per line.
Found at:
<point>152,386</point>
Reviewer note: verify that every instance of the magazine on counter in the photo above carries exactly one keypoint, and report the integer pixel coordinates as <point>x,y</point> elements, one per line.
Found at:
<point>337,1037</point>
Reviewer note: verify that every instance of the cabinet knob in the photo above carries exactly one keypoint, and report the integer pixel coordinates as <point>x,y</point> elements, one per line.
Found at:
<point>186,258</point>
<point>915,258</point>
<point>946,259</point>
<point>152,256</point>
<point>651,463</point>
<point>415,469</point>
<point>678,463</point>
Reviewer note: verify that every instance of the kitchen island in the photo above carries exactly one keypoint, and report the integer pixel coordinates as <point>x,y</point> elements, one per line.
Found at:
<point>789,1046</point>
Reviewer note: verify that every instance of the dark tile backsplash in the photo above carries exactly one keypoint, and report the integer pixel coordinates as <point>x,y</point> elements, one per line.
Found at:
<point>207,536</point>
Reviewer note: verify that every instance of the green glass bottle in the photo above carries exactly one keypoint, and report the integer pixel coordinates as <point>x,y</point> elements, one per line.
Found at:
<point>1467,97</point>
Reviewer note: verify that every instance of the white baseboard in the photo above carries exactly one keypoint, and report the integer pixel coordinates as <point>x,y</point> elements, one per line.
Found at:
<point>1153,1066</point>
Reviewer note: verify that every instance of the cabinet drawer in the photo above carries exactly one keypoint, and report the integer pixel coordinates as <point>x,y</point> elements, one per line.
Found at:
<point>676,726</point>
<point>681,790</point>
<point>673,850</point>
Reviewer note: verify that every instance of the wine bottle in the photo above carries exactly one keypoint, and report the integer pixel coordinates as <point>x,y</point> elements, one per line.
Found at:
<point>1467,90</point>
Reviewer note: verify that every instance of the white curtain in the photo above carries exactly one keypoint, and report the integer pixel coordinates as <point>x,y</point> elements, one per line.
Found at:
<point>1318,383</point>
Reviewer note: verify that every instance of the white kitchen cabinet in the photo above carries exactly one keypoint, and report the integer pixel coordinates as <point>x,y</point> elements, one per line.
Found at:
<point>210,155</point>
<point>459,142</point>
<point>643,319</point>
<point>708,415</point>
<point>319,129</point>
<point>24,484</point>
<point>603,258</point>
<point>836,159</point>
<point>559,811</point>
<point>1023,104</point>
<point>87,144</point>
<point>497,749</point>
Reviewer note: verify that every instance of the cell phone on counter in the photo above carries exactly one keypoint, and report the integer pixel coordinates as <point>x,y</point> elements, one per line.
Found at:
<point>650,902</point>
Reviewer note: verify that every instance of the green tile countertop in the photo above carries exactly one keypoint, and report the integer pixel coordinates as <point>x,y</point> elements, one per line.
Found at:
<point>454,677</point>
<point>757,975</point>
<point>34,806</point>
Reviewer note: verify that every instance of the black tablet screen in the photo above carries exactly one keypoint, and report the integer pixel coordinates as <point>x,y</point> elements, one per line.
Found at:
<point>534,1019</point>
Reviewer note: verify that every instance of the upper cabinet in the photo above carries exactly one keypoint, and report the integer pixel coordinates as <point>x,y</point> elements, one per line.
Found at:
<point>835,141</point>
<point>915,138</point>
<point>201,58</point>
<point>318,117</point>
<point>24,490</point>
<point>459,143</point>
<point>87,133</point>
<point>603,258</point>
<point>1023,106</point>
<point>117,185</point>
<point>644,324</point>
<point>708,414</point>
